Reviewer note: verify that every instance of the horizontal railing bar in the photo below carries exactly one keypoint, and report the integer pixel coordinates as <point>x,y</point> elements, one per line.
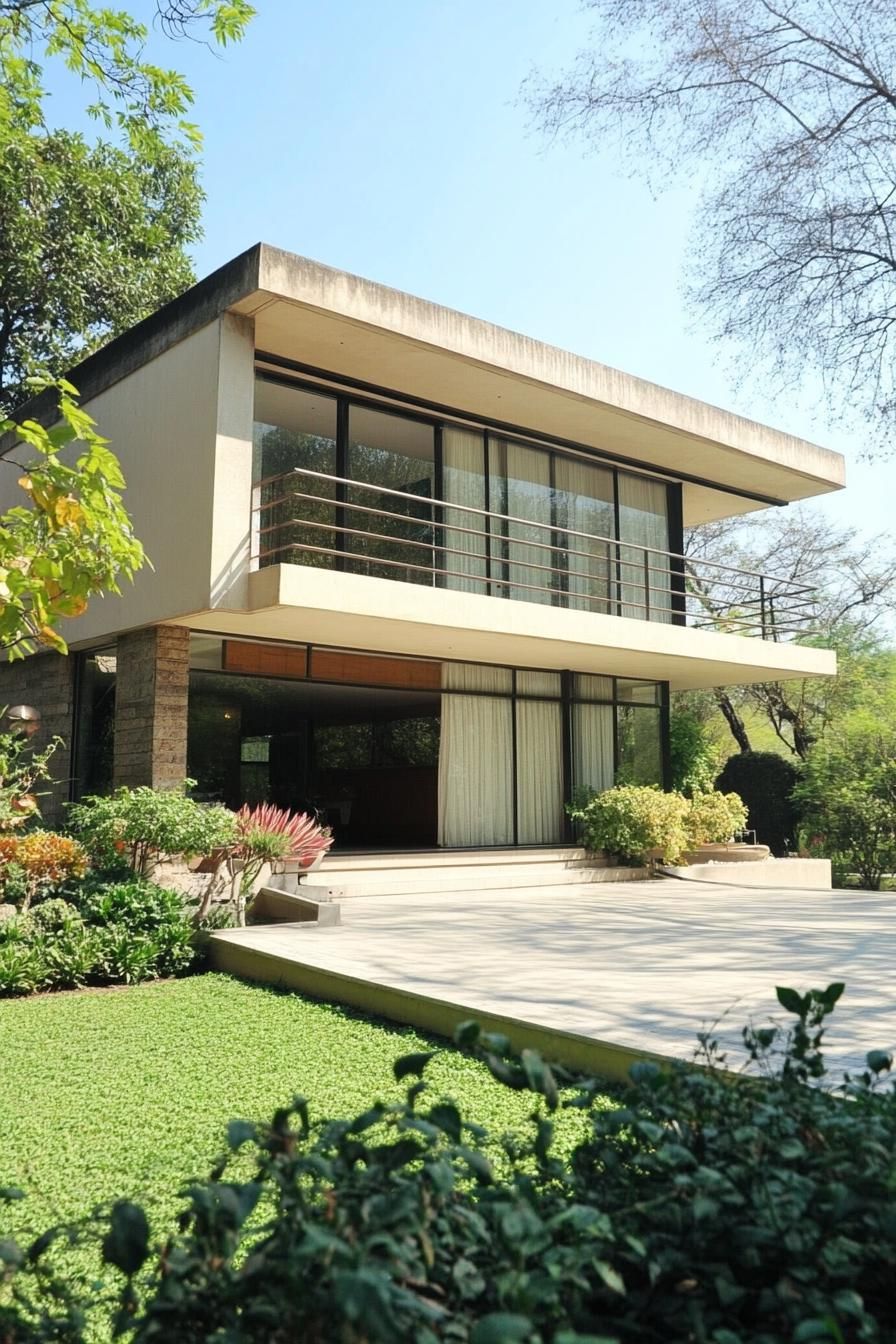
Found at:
<point>605,542</point>
<point>743,619</point>
<point>610,560</point>
<point>510,518</point>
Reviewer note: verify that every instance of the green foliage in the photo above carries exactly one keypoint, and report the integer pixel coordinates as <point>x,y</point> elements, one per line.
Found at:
<point>712,818</point>
<point>94,239</point>
<point>693,753</point>
<point>766,782</point>
<point>696,1208</point>
<point>848,793</point>
<point>634,823</point>
<point>129,1092</point>
<point>73,537</point>
<point>22,769</point>
<point>108,932</point>
<point>106,50</point>
<point>140,826</point>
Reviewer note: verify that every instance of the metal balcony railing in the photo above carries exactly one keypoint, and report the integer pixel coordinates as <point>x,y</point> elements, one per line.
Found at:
<point>315,518</point>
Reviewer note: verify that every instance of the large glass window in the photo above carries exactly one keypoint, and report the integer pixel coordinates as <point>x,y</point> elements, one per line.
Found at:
<point>465,551</point>
<point>476,764</point>
<point>391,531</point>
<point>456,506</point>
<point>395,751</point>
<point>520,487</point>
<point>364,758</point>
<point>585,505</point>
<point>295,439</point>
<point>644,570</point>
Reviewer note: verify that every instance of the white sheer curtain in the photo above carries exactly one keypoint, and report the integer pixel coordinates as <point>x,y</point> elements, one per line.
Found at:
<point>539,771</point>
<point>643,518</point>
<point>476,757</point>
<point>463,482</point>
<point>528,475</point>
<point>584,496</point>
<point>592,747</point>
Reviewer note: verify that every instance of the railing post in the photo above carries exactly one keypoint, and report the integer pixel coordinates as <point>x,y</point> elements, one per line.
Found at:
<point>762,616</point>
<point>255,529</point>
<point>647,585</point>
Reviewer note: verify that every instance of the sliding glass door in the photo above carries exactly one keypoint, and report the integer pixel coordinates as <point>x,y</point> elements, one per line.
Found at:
<point>390,535</point>
<point>456,506</point>
<point>645,576</point>
<point>465,538</point>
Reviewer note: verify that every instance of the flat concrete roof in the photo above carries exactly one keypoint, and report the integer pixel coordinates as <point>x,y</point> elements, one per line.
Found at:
<point>322,319</point>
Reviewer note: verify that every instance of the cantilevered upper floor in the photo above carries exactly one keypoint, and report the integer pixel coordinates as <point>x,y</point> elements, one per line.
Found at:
<point>314,456</point>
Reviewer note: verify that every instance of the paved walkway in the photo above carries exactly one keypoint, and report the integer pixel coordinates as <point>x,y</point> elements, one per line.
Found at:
<point>642,964</point>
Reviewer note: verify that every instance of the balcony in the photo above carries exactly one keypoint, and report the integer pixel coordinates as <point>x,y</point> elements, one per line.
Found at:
<point>305,517</point>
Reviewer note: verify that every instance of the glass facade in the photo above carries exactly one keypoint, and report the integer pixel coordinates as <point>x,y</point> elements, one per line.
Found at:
<point>459,506</point>
<point>400,752</point>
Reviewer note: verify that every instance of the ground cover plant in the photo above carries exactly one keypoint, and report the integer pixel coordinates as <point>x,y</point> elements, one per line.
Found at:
<point>697,1208</point>
<point>127,1092</point>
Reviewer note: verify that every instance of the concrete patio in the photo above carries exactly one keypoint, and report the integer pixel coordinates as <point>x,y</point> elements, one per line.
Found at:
<point>642,966</point>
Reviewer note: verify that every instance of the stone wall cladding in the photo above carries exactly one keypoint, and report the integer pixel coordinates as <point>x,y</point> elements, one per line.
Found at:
<point>151,691</point>
<point>46,681</point>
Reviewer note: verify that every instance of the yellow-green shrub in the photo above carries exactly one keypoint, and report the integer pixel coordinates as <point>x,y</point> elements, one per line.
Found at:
<point>634,823</point>
<point>713,818</point>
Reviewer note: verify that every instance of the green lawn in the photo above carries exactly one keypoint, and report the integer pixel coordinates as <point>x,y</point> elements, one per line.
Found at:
<point>126,1092</point>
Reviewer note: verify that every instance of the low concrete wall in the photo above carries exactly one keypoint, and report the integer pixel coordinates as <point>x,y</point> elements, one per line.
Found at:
<point>799,874</point>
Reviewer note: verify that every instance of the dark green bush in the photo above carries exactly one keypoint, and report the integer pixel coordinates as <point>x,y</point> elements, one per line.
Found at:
<point>765,781</point>
<point>700,1209</point>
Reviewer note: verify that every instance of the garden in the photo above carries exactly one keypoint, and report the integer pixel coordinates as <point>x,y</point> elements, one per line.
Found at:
<point>188,1157</point>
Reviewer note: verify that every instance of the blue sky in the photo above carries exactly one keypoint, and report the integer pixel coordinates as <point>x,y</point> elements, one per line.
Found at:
<point>388,139</point>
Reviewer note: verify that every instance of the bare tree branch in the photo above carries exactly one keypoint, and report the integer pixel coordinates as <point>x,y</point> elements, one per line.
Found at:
<point>791,104</point>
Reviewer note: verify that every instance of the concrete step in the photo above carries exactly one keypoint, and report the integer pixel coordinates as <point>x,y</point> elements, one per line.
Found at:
<point>340,884</point>
<point>392,860</point>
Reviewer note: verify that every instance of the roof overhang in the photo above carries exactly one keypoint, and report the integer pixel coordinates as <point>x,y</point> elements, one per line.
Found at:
<point>316,317</point>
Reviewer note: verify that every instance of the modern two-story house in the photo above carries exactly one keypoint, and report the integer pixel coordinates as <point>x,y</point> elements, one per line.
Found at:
<point>411,570</point>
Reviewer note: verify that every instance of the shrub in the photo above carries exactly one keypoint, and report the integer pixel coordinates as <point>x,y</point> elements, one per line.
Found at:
<point>48,860</point>
<point>696,1209</point>
<point>634,823</point>
<point>54,916</point>
<point>140,904</point>
<point>21,966</point>
<point>21,770</point>
<point>765,781</point>
<point>70,956</point>
<point>857,830</point>
<point>848,796</point>
<point>712,818</point>
<point>694,757</point>
<point>141,826</point>
<point>117,933</point>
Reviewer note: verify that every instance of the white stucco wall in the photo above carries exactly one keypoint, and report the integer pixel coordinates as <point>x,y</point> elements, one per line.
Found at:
<point>181,426</point>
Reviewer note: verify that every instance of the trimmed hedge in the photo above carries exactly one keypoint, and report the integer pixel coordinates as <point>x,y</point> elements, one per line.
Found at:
<point>765,781</point>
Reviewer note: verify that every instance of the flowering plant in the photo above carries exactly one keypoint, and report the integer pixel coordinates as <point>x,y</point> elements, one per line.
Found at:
<point>269,834</point>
